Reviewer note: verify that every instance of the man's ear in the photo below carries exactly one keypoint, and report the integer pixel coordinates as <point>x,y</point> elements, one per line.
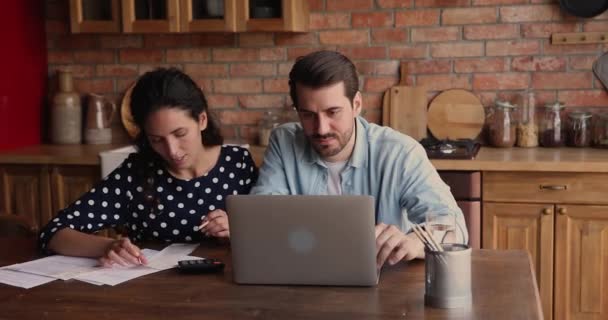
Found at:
<point>357,103</point>
<point>202,120</point>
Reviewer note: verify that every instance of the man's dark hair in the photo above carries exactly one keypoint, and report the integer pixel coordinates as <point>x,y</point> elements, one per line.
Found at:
<point>323,68</point>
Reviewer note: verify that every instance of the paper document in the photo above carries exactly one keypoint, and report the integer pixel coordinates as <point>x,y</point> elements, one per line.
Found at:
<point>169,256</point>
<point>22,280</point>
<point>60,267</point>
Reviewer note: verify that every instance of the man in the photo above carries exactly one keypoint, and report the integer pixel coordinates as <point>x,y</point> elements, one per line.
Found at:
<point>334,151</point>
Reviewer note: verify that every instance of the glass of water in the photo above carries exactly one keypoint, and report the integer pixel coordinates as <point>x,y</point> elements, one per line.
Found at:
<point>442,226</point>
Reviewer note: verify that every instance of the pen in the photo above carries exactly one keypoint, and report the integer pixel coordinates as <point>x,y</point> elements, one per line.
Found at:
<point>203,225</point>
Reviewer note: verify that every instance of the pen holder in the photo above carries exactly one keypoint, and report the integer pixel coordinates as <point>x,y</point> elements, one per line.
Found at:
<point>448,277</point>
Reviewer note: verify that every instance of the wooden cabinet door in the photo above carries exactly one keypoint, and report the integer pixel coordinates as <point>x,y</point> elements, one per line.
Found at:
<point>581,262</point>
<point>100,16</point>
<point>70,183</point>
<point>289,15</point>
<point>202,16</point>
<point>528,227</point>
<point>150,16</point>
<point>24,191</point>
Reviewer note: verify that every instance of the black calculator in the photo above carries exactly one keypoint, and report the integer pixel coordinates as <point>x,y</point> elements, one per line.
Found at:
<point>200,266</point>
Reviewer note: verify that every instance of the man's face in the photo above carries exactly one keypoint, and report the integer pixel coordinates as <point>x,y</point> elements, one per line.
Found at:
<point>327,117</point>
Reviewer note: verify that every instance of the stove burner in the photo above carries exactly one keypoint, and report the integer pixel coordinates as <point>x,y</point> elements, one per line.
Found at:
<point>450,149</point>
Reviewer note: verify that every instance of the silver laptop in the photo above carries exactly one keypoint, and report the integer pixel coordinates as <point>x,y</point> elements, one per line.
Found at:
<point>303,240</point>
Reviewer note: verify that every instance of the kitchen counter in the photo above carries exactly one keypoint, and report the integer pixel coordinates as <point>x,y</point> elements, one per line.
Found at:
<point>80,154</point>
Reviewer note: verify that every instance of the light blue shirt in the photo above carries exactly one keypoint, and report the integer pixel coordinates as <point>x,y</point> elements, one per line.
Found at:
<point>388,165</point>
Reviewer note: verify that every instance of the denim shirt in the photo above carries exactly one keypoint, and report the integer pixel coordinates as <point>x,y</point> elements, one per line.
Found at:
<point>388,165</point>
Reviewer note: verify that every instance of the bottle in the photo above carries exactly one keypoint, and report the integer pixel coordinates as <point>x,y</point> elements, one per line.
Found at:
<point>527,130</point>
<point>502,125</point>
<point>268,122</point>
<point>579,129</point>
<point>66,112</point>
<point>552,128</point>
<point>600,131</point>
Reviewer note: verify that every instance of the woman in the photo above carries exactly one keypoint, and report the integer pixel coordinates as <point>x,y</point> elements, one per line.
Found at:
<point>172,190</point>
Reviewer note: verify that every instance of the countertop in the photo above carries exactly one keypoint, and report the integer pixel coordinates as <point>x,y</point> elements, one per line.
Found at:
<point>488,158</point>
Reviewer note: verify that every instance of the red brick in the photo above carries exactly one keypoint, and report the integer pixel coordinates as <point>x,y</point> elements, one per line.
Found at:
<point>249,134</point>
<point>143,68</point>
<point>116,70</point>
<point>408,52</point>
<point>379,84</point>
<point>121,41</point>
<point>538,64</point>
<point>228,132</point>
<point>237,85</point>
<point>377,67</point>
<point>584,98</point>
<point>316,5</point>
<point>442,3</point>
<point>94,85</point>
<point>216,101</point>
<point>445,50</point>
<point>56,27</point>
<point>240,117</point>
<point>213,40</point>
<point>360,53</point>
<point>372,100</point>
<point>207,70</point>
<point>444,82</point>
<point>512,48</point>
<point>285,68</point>
<point>78,70</point>
<point>94,56</point>
<point>396,3</point>
<point>563,80</point>
<point>499,31</point>
<point>435,34</point>
<point>167,40</point>
<point>424,17</point>
<point>350,37</point>
<point>481,65</point>
<point>188,55</point>
<point>326,21</point>
<point>256,39</point>
<point>262,101</point>
<point>205,84</point>
<point>372,115</point>
<point>273,54</point>
<point>469,16</point>
<point>544,30</point>
<point>531,13</point>
<point>141,56</point>
<point>582,63</point>
<point>252,69</point>
<point>341,5</point>
<point>372,19</point>
<point>389,35</point>
<point>292,39</point>
<point>497,2</point>
<point>123,84</point>
<point>77,41</point>
<point>429,66</point>
<point>294,53</point>
<point>277,85</point>
<point>598,26</point>
<point>502,81</point>
<point>236,54</point>
<point>60,56</point>
<point>549,49</point>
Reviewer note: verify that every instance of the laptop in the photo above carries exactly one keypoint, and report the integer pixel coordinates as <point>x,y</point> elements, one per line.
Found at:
<point>303,240</point>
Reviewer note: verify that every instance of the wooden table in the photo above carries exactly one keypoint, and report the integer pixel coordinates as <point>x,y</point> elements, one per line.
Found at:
<point>503,284</point>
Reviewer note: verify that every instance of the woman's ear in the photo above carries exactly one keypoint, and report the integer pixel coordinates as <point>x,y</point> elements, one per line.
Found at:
<point>202,120</point>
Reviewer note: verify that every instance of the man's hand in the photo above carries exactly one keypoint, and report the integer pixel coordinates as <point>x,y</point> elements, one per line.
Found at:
<point>392,245</point>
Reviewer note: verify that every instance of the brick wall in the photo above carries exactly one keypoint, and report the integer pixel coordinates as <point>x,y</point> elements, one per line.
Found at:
<point>496,48</point>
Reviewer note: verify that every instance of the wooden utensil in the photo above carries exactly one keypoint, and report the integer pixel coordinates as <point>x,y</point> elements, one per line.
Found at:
<point>456,114</point>
<point>404,107</point>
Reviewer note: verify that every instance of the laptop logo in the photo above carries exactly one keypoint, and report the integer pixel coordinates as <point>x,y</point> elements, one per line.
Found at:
<point>301,240</point>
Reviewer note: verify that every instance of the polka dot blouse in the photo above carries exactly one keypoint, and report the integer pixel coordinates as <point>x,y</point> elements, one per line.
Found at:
<point>156,205</point>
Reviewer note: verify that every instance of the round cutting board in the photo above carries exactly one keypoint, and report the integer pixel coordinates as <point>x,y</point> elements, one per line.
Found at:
<point>125,114</point>
<point>456,114</point>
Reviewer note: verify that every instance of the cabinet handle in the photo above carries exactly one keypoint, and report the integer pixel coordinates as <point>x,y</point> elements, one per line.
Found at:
<point>562,211</point>
<point>554,187</point>
<point>547,211</point>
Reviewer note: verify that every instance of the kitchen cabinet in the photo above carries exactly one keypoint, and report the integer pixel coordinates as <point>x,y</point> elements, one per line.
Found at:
<point>169,16</point>
<point>561,219</point>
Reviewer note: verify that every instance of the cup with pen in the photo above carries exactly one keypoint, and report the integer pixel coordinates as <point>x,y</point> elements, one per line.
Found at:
<point>447,262</point>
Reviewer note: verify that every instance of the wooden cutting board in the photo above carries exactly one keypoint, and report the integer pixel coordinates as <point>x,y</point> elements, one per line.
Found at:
<point>404,107</point>
<point>456,114</point>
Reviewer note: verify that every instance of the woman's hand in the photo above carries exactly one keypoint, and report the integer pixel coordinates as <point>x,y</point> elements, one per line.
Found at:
<point>215,224</point>
<point>122,252</point>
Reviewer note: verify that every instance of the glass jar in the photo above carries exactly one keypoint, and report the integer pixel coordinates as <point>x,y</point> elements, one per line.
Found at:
<point>267,123</point>
<point>502,125</point>
<point>527,130</point>
<point>600,131</point>
<point>551,126</point>
<point>579,129</point>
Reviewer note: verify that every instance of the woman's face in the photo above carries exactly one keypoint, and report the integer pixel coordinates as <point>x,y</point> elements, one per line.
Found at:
<point>175,136</point>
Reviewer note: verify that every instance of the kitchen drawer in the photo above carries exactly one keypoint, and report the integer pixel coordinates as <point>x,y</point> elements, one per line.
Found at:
<point>547,187</point>
<point>464,185</point>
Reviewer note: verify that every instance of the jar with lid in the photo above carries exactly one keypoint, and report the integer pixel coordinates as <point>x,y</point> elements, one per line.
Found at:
<point>551,127</point>
<point>579,129</point>
<point>527,130</point>
<point>268,122</point>
<point>502,125</point>
<point>600,131</point>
